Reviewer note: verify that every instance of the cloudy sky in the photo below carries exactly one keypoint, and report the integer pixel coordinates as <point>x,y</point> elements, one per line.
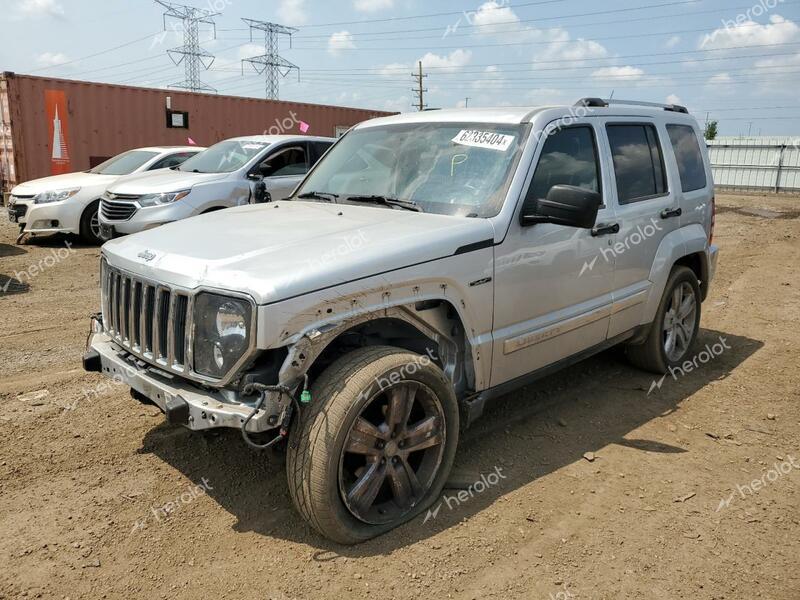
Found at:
<point>737,60</point>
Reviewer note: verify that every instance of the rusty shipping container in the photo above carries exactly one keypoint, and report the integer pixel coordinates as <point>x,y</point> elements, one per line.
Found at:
<point>52,126</point>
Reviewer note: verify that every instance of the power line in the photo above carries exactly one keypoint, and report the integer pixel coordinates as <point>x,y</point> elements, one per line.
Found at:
<point>271,63</point>
<point>191,54</point>
<point>106,51</point>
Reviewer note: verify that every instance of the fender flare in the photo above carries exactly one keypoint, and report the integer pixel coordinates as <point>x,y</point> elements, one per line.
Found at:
<point>677,244</point>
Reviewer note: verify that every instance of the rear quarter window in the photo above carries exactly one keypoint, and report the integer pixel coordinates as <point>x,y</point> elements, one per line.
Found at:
<point>687,153</point>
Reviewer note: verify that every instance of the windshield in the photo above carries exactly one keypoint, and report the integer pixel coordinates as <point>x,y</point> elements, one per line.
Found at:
<point>225,157</point>
<point>445,168</point>
<point>123,164</point>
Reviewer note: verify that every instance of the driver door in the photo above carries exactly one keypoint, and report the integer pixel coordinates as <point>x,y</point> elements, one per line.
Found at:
<point>284,168</point>
<point>553,290</point>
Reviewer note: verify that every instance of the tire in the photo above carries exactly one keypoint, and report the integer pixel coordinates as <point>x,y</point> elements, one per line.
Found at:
<point>90,224</point>
<point>652,354</point>
<point>327,483</point>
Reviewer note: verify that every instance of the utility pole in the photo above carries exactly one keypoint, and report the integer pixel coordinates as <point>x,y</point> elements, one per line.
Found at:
<point>466,102</point>
<point>191,54</point>
<point>271,63</point>
<point>419,90</point>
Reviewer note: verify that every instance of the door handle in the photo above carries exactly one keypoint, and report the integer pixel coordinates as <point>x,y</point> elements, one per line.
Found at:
<point>605,229</point>
<point>671,212</point>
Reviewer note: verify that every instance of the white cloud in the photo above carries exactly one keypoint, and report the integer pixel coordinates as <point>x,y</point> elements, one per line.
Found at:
<point>673,41</point>
<point>293,12</point>
<point>494,18</point>
<point>627,73</point>
<point>720,78</point>
<point>370,6</point>
<point>341,40</point>
<point>750,33</point>
<point>447,64</point>
<point>394,70</point>
<point>41,8</point>
<point>249,51</point>
<point>51,59</point>
<point>673,99</point>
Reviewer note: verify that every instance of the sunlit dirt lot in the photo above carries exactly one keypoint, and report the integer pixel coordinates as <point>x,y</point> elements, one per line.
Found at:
<point>606,490</point>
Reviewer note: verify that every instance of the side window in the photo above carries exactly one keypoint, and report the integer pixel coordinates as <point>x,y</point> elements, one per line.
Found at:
<point>172,160</point>
<point>320,148</point>
<point>690,159</point>
<point>286,161</point>
<point>569,157</point>
<point>638,162</point>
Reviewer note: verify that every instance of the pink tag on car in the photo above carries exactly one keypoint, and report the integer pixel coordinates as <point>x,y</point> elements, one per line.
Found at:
<point>304,126</point>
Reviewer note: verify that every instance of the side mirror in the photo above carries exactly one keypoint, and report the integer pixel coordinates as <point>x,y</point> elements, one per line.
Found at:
<point>566,205</point>
<point>260,193</point>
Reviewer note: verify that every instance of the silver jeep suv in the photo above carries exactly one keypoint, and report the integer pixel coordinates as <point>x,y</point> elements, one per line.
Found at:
<point>429,263</point>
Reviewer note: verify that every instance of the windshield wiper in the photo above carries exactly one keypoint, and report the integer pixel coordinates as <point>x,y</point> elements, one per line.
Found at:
<point>387,201</point>
<point>328,196</point>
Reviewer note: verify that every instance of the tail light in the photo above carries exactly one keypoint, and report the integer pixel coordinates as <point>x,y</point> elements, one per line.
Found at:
<point>713,220</point>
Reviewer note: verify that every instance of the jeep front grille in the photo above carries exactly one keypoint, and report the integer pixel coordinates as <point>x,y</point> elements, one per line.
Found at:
<point>152,321</point>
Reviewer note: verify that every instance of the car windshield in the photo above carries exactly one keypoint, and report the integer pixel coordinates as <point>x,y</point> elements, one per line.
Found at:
<point>124,164</point>
<point>446,168</point>
<point>225,157</point>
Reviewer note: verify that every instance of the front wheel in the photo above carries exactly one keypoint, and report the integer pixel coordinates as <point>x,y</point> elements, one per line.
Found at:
<point>674,330</point>
<point>376,445</point>
<point>90,224</point>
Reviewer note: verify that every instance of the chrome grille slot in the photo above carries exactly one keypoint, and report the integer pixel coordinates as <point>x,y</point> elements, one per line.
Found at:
<point>162,323</point>
<point>151,321</point>
<point>117,211</point>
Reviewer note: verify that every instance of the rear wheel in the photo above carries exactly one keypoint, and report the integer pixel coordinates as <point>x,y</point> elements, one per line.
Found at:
<point>376,446</point>
<point>90,224</point>
<point>674,330</point>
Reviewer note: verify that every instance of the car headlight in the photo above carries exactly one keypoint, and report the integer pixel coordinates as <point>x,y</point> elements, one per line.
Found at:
<point>55,196</point>
<point>159,199</point>
<point>221,333</point>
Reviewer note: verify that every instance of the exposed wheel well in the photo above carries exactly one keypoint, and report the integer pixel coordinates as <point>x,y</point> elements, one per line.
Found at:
<point>445,341</point>
<point>697,264</point>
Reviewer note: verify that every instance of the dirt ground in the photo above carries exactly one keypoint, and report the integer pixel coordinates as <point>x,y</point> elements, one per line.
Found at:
<point>600,489</point>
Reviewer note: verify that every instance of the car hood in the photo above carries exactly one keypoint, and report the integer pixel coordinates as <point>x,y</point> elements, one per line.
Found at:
<point>64,182</point>
<point>278,251</point>
<point>161,181</point>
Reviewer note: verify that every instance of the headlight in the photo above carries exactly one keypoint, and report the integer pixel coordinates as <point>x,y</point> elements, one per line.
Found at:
<point>55,196</point>
<point>158,199</point>
<point>222,333</point>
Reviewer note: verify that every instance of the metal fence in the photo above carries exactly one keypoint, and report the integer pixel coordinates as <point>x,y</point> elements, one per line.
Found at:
<point>768,164</point>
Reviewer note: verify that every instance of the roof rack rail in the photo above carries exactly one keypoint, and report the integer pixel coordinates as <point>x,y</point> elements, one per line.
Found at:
<point>600,103</point>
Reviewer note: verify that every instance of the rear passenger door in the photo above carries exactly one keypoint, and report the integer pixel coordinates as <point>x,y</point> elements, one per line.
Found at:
<point>646,210</point>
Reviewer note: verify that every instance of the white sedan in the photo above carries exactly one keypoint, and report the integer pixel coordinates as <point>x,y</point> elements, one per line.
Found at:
<point>69,203</point>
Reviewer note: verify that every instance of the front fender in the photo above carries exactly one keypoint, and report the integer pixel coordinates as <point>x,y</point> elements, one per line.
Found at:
<point>306,324</point>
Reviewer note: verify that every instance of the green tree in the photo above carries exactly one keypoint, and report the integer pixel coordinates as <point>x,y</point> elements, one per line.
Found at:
<point>711,130</point>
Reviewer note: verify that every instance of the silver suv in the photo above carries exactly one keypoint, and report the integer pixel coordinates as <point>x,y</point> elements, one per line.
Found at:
<point>430,263</point>
<point>231,173</point>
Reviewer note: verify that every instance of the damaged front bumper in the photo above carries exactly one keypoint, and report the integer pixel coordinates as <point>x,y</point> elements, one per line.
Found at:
<point>183,403</point>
